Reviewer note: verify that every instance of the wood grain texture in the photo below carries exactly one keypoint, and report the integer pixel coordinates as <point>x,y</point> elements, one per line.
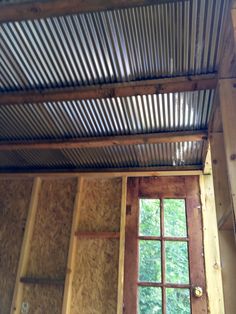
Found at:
<point>50,241</point>
<point>100,205</point>
<point>143,87</point>
<point>14,205</point>
<point>94,288</point>
<point>211,247</point>
<point>107,141</point>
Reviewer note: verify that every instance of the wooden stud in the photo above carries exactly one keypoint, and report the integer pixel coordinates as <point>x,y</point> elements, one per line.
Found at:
<point>153,138</point>
<point>72,251</point>
<point>223,199</point>
<point>211,245</point>
<point>120,291</point>
<point>25,249</point>
<point>227,92</point>
<point>137,88</point>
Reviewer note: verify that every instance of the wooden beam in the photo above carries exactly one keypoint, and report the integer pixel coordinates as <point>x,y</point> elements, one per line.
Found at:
<point>153,138</point>
<point>25,249</point>
<point>161,171</point>
<point>120,290</point>
<point>97,235</point>
<point>221,183</point>
<point>72,251</point>
<point>42,281</point>
<point>43,9</point>
<point>211,247</point>
<point>138,88</point>
<point>227,92</point>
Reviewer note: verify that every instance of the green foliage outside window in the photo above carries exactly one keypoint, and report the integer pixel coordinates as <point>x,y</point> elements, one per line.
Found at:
<point>150,298</point>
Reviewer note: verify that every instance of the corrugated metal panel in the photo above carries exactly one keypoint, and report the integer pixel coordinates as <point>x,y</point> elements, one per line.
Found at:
<point>116,116</point>
<point>169,154</point>
<point>147,42</point>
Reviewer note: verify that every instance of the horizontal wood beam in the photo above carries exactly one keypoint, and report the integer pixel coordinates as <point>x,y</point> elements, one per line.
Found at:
<point>97,235</point>
<point>158,171</point>
<point>137,88</point>
<point>153,138</point>
<point>44,9</point>
<point>42,281</point>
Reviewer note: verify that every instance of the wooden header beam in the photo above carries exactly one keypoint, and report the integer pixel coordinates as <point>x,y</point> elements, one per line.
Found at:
<point>144,87</point>
<point>159,171</point>
<point>43,9</point>
<point>153,138</point>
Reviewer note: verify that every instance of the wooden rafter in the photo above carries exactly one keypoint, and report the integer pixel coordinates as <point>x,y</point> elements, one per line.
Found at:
<point>44,9</point>
<point>153,138</point>
<point>138,88</point>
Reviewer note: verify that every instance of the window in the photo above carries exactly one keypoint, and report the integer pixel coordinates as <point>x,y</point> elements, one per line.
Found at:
<point>163,283</point>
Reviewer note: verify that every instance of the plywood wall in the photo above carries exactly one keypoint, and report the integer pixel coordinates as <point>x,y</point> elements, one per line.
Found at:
<point>14,204</point>
<point>94,288</point>
<point>49,247</point>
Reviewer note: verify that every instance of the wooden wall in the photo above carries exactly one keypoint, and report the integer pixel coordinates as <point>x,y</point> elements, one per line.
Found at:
<point>95,281</point>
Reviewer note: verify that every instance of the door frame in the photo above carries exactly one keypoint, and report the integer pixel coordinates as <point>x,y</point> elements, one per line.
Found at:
<point>185,187</point>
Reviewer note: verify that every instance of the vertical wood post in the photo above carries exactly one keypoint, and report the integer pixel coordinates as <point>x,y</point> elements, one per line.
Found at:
<point>211,245</point>
<point>227,94</point>
<point>72,251</point>
<point>25,248</point>
<point>120,291</point>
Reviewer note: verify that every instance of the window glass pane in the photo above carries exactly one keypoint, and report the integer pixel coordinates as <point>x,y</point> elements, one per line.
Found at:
<point>175,218</point>
<point>177,301</point>
<point>149,300</point>
<point>149,261</point>
<point>149,220</point>
<point>177,270</point>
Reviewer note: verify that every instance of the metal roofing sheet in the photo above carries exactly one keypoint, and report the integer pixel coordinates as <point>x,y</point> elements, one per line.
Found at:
<point>167,154</point>
<point>130,44</point>
<point>116,116</point>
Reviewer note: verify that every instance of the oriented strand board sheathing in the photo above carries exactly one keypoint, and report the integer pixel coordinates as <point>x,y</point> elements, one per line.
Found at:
<point>100,205</point>
<point>49,248</point>
<point>14,204</point>
<point>43,299</point>
<point>94,288</point>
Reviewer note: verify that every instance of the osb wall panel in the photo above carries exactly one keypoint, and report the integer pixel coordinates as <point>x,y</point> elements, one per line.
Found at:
<point>14,204</point>
<point>100,205</point>
<point>43,299</point>
<point>94,288</point>
<point>50,242</point>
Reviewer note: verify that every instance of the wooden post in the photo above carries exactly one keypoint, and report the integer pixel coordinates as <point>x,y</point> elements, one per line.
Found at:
<point>227,94</point>
<point>72,251</point>
<point>211,245</point>
<point>122,248</point>
<point>25,249</point>
<point>224,207</point>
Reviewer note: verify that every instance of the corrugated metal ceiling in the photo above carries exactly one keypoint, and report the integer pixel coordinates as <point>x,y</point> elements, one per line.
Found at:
<point>105,117</point>
<point>165,40</point>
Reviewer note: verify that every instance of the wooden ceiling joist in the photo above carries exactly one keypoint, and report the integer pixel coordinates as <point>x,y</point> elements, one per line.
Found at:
<point>144,87</point>
<point>43,9</point>
<point>153,138</point>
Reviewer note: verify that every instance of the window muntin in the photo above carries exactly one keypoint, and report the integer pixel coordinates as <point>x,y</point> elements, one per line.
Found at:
<point>163,257</point>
